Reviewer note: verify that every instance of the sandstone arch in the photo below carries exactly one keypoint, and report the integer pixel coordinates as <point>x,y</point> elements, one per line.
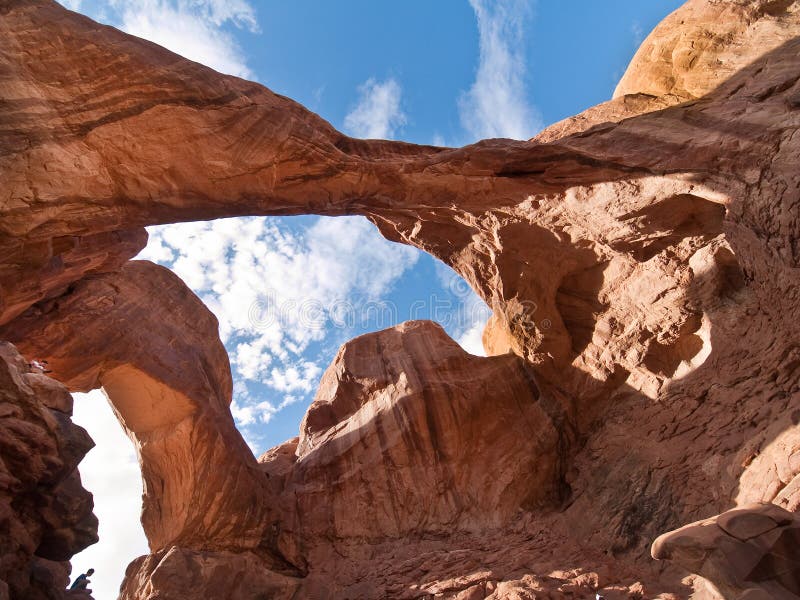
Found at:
<point>662,428</point>
<point>169,381</point>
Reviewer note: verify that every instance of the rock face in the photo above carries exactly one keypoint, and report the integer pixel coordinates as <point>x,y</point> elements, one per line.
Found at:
<point>412,433</point>
<point>641,259</point>
<point>749,552</point>
<point>169,382</point>
<point>45,514</point>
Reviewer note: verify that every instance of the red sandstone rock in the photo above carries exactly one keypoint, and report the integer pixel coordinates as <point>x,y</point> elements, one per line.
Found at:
<point>414,435</point>
<point>45,514</point>
<point>168,379</point>
<point>178,574</point>
<point>748,553</point>
<point>642,258</point>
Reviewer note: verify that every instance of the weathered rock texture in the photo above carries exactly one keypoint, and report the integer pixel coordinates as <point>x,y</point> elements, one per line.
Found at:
<point>45,514</point>
<point>748,552</point>
<point>411,433</point>
<point>642,261</point>
<point>170,384</point>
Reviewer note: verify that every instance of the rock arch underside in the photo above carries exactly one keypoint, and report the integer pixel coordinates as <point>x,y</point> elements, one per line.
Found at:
<point>635,429</point>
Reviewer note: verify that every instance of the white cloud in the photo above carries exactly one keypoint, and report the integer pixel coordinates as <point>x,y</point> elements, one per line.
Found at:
<point>496,104</point>
<point>378,114</point>
<point>71,4</point>
<point>638,33</point>
<point>469,312</point>
<point>471,339</point>
<point>278,291</point>
<point>192,28</point>
<point>111,472</point>
<point>294,379</point>
<point>252,414</point>
<point>252,358</point>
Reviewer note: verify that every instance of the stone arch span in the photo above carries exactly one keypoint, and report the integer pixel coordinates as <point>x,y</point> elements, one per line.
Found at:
<point>144,337</point>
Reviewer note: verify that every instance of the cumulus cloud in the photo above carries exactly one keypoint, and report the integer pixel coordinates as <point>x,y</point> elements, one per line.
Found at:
<point>496,105</point>
<point>277,292</point>
<point>111,472</point>
<point>377,114</point>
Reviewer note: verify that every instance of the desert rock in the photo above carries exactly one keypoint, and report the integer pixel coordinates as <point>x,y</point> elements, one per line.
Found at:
<point>45,514</point>
<point>749,552</point>
<point>641,260</point>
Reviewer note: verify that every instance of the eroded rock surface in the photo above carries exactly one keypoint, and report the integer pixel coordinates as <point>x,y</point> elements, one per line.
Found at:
<point>414,435</point>
<point>45,514</point>
<point>168,379</point>
<point>750,552</point>
<point>641,259</point>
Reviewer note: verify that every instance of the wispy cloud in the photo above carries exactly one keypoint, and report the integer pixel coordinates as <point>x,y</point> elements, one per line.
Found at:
<point>638,33</point>
<point>195,29</point>
<point>378,113</point>
<point>497,105</point>
<point>71,4</point>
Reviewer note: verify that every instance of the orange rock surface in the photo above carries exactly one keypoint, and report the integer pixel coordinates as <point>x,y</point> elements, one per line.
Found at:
<point>412,433</point>
<point>169,380</point>
<point>641,260</point>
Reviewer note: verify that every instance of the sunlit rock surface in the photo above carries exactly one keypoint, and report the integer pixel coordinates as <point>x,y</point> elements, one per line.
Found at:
<point>168,379</point>
<point>641,260</point>
<point>413,434</point>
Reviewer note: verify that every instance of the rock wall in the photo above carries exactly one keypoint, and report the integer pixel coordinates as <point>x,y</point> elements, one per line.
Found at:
<point>641,259</point>
<point>45,514</point>
<point>411,433</point>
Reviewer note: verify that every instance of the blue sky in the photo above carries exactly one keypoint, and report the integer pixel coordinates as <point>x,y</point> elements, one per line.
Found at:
<point>289,291</point>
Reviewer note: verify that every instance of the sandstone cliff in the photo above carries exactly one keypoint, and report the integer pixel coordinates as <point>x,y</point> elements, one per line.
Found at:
<point>641,260</point>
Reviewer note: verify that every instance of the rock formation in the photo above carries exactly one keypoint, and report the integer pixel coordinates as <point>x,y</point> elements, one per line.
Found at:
<point>412,433</point>
<point>641,260</point>
<point>45,514</point>
<point>170,383</point>
<point>750,552</point>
